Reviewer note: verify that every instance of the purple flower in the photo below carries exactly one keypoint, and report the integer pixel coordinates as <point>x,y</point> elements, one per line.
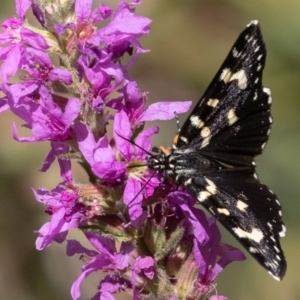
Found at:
<point>83,30</point>
<point>206,255</point>
<point>108,259</point>
<point>146,235</point>
<point>58,150</point>
<point>123,31</point>
<point>132,192</point>
<point>104,75</point>
<point>41,71</point>
<point>195,217</point>
<point>65,211</point>
<point>16,35</point>
<point>99,155</point>
<point>48,121</point>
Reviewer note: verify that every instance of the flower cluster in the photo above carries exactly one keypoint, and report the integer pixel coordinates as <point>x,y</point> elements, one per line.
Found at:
<point>74,82</point>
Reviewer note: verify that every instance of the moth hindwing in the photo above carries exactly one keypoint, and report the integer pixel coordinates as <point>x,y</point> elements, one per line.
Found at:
<point>213,156</point>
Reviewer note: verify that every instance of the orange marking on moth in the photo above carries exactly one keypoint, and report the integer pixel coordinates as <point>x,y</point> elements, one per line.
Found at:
<point>165,150</point>
<point>176,138</point>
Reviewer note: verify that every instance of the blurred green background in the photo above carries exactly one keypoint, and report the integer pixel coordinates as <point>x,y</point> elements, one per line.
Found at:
<point>188,42</point>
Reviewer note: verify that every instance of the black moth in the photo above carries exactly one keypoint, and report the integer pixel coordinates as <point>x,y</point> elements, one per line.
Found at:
<point>213,154</point>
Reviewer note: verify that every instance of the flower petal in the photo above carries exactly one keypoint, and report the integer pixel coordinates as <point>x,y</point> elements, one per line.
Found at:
<point>164,110</point>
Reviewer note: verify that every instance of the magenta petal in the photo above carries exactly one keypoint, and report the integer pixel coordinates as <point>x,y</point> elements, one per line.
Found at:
<point>61,74</point>
<point>122,131</point>
<point>83,10</point>
<point>103,151</point>
<point>194,216</point>
<point>132,93</point>
<point>164,110</point>
<point>11,64</point>
<point>200,258</point>
<point>21,7</point>
<point>144,265</point>
<point>133,198</point>
<point>214,242</point>
<point>124,256</point>
<point>71,111</point>
<point>74,247</point>
<point>86,141</point>
<point>110,171</point>
<point>104,245</point>
<point>124,22</point>
<point>93,266</point>
<point>49,230</point>
<point>50,158</point>
<point>144,141</point>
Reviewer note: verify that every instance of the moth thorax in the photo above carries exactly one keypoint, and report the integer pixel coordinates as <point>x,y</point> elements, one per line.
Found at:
<point>190,162</point>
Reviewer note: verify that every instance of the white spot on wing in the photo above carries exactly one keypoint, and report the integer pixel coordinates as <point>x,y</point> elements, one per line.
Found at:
<point>255,96</point>
<point>211,187</point>
<point>235,53</point>
<point>205,132</point>
<point>184,139</point>
<point>253,22</point>
<point>267,91</point>
<point>278,257</point>
<point>275,277</point>
<point>250,39</point>
<point>224,211</point>
<point>196,121</point>
<point>187,182</point>
<point>276,249</point>
<point>213,102</point>
<point>205,142</point>
<point>253,250</point>
<point>255,235</point>
<point>257,49</point>
<point>241,77</point>
<point>203,195</point>
<point>231,116</point>
<point>241,205</point>
<point>282,233</point>
<point>210,190</point>
<point>226,75</point>
<point>270,225</point>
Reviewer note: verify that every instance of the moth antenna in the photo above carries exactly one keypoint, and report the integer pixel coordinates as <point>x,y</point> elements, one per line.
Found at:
<point>177,122</point>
